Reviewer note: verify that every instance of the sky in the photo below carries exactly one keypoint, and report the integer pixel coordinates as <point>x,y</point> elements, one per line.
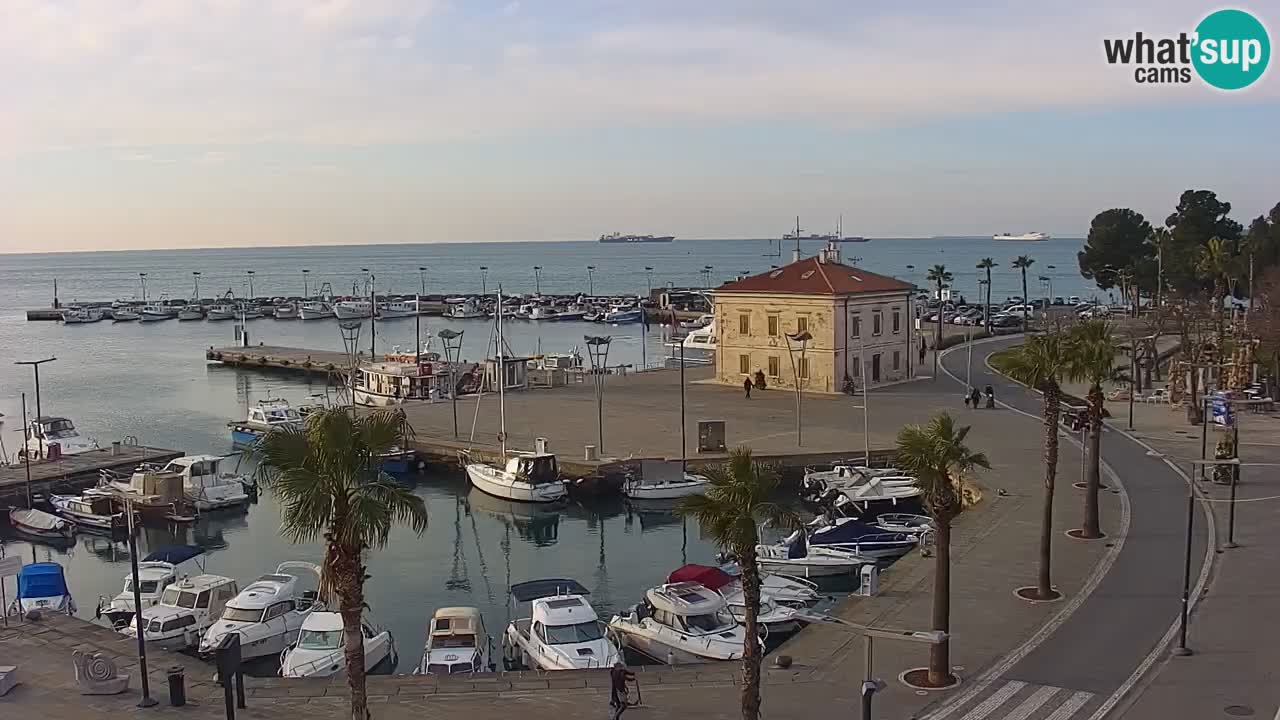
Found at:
<point>131,124</point>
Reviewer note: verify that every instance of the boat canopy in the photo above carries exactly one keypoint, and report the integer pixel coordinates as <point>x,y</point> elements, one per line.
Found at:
<point>39,580</point>
<point>174,554</point>
<point>547,587</point>
<point>712,578</point>
<point>848,531</point>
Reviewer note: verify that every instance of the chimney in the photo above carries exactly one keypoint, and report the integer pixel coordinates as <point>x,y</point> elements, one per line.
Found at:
<point>830,254</point>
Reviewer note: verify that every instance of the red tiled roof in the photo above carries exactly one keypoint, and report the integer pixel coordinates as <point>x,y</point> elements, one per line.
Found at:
<point>810,277</point>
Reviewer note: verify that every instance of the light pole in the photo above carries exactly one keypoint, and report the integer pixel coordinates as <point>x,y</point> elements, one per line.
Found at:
<point>142,277</point>
<point>591,283</point>
<point>305,288</point>
<point>146,701</point>
<point>251,295</point>
<point>598,349</point>
<point>537,280</point>
<point>452,340</point>
<point>195,276</point>
<point>35,366</point>
<point>26,457</point>
<point>803,338</point>
<point>986,307</point>
<point>648,277</point>
<point>484,279</point>
<point>1045,280</point>
<point>422,279</point>
<point>684,450</point>
<point>706,276</point>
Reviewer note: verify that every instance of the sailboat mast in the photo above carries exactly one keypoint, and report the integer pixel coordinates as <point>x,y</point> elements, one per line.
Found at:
<point>502,380</point>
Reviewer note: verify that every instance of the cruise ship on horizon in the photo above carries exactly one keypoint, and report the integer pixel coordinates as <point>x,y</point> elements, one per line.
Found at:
<point>620,238</point>
<point>1024,237</point>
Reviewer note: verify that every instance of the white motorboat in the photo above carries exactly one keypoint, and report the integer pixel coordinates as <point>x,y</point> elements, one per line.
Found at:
<point>38,523</point>
<point>397,309</point>
<point>681,623</point>
<point>90,513</point>
<point>681,484</point>
<point>851,534</point>
<point>842,476</point>
<point>527,477</point>
<point>248,311</point>
<point>905,523</point>
<point>263,417</point>
<point>268,613</point>
<point>701,321</point>
<point>286,311</point>
<point>457,643</point>
<point>774,615</point>
<point>563,631</point>
<point>795,557</point>
<point>159,310</point>
<point>696,348</point>
<point>44,432</point>
<point>205,485</point>
<point>81,316</point>
<point>156,572</point>
<point>191,311</point>
<point>42,587</point>
<point>319,652</point>
<point>122,314</point>
<point>877,494</point>
<point>222,311</point>
<point>186,609</point>
<point>784,589</point>
<point>316,310</point>
<point>624,314</point>
<point>353,309</point>
<point>464,310</point>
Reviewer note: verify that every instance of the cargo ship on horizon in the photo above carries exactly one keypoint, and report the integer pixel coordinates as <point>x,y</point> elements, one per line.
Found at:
<point>620,238</point>
<point>1024,237</point>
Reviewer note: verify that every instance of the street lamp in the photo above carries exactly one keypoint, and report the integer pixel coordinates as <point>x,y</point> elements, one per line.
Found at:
<point>452,340</point>
<point>1045,280</point>
<point>537,280</point>
<point>422,278</point>
<point>195,276</point>
<point>35,366</point>
<point>648,276</point>
<point>142,277</point>
<point>591,283</point>
<point>251,296</point>
<point>484,279</point>
<point>598,349</point>
<point>706,276</point>
<point>986,307</point>
<point>305,288</point>
<point>803,338</point>
<point>146,701</point>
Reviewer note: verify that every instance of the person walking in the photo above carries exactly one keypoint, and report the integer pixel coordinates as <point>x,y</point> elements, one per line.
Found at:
<point>967,398</point>
<point>618,676</point>
<point>975,397</point>
<point>746,385</point>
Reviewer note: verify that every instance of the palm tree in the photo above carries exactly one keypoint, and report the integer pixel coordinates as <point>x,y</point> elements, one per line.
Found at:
<point>939,276</point>
<point>1023,263</point>
<point>1160,238</point>
<point>326,477</point>
<point>740,499</point>
<point>1215,260</point>
<point>1092,359</point>
<point>986,264</point>
<point>1040,363</point>
<point>937,456</point>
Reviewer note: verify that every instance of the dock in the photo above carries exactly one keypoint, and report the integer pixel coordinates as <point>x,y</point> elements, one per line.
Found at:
<point>275,357</point>
<point>75,472</point>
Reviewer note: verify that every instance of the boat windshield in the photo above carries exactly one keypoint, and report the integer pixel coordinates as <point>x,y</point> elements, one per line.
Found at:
<point>453,641</point>
<point>711,622</point>
<point>579,633</point>
<point>320,640</point>
<point>178,598</point>
<point>60,429</point>
<point>147,586</point>
<point>235,614</point>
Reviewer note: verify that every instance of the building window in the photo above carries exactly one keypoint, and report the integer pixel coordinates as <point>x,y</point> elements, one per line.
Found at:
<point>897,359</point>
<point>877,322</point>
<point>773,326</point>
<point>744,324</point>
<point>897,321</point>
<point>802,324</point>
<point>857,368</point>
<point>773,366</point>
<point>857,326</point>
<point>744,364</point>
<point>804,368</point>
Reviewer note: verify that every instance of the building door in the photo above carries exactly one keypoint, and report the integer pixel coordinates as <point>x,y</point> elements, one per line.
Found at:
<point>875,368</point>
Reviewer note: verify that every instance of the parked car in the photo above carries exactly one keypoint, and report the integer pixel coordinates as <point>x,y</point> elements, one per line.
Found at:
<point>1074,300</point>
<point>1006,321</point>
<point>1019,309</point>
<point>1057,300</point>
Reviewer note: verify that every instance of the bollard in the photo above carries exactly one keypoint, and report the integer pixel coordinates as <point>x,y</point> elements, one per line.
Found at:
<point>177,686</point>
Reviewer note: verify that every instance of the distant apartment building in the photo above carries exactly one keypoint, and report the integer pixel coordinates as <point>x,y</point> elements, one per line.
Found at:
<point>859,324</point>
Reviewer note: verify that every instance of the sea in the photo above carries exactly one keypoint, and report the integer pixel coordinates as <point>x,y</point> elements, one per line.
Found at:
<point>151,382</point>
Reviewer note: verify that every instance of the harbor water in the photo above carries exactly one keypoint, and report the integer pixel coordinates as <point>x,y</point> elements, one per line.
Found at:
<point>151,381</point>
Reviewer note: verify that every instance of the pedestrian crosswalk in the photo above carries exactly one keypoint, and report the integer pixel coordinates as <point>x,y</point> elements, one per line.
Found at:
<point>1017,700</point>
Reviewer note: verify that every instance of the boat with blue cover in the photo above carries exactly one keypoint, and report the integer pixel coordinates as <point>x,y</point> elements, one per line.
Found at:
<point>42,587</point>
<point>865,540</point>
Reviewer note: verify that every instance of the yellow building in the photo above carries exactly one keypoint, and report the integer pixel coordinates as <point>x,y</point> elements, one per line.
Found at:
<point>859,324</point>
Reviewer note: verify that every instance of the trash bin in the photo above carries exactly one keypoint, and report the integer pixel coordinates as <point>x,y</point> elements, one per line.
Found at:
<point>177,686</point>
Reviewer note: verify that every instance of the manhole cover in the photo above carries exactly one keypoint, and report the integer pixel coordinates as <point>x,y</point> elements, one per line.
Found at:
<point>1238,710</point>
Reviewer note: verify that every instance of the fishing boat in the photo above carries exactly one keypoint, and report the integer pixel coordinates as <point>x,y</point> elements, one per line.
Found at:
<point>42,587</point>
<point>466,309</point>
<point>795,557</point>
<point>123,314</point>
<point>248,311</point>
<point>191,312</point>
<point>158,310</point>
<point>82,316</point>
<point>316,310</point>
<point>397,309</point>
<point>90,513</point>
<point>38,523</point>
<point>55,436</point>
<point>318,650</point>
<point>854,535</point>
<point>262,418</point>
<point>268,614</point>
<point>681,623</point>
<point>224,310</point>
<point>457,643</point>
<point>186,609</point>
<point>156,496</point>
<point>286,311</point>
<point>156,572</point>
<point>562,631</point>
<point>623,315</point>
<point>387,384</point>
<point>205,485</point>
<point>774,615</point>
<point>353,309</point>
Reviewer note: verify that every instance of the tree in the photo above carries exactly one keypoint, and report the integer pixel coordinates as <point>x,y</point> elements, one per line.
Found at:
<point>1023,263</point>
<point>939,276</point>
<point>1040,363</point>
<point>1153,273</point>
<point>986,264</point>
<point>1199,216</point>
<point>738,500</point>
<point>1216,262</point>
<point>936,455</point>
<point>1092,359</point>
<point>327,478</point>
<point>1118,238</point>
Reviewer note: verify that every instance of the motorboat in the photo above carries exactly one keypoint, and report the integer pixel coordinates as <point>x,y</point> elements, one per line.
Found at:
<point>191,311</point>
<point>248,311</point>
<point>877,494</point>
<point>905,523</point>
<point>47,431</point>
<point>262,418</point>
<point>696,348</point>
<point>681,623</point>
<point>156,572</point>
<point>387,384</point>
<point>225,310</point>
<point>205,485</point>
<point>701,321</point>
<point>268,614</point>
<point>621,315</point>
<point>457,643</point>
<point>681,484</point>
<point>397,309</point>
<point>42,587</point>
<point>123,314</point>
<point>397,460</point>
<point>90,513</point>
<point>465,310</point>
<point>159,310</point>
<point>526,477</point>
<point>854,535</point>
<point>795,557</point>
<point>784,589</point>
<point>316,310</point>
<point>154,495</point>
<point>353,309</point>
<point>81,316</point>
<point>318,651</point>
<point>38,523</point>
<point>772,614</point>
<point>286,311</point>
<point>842,476</point>
<point>186,609</point>
<point>562,632</point>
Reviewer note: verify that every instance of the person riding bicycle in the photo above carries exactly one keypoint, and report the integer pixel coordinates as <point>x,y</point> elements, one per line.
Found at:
<point>619,675</point>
